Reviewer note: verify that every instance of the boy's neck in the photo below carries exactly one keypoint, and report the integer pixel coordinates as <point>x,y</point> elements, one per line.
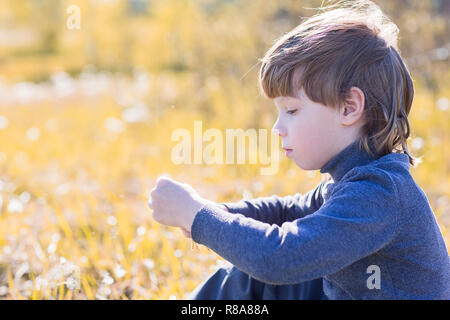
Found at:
<point>349,157</point>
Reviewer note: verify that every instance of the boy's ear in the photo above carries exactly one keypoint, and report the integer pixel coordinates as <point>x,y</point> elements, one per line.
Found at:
<point>353,107</point>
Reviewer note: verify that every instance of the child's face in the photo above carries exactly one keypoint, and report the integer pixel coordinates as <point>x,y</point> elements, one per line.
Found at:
<point>312,130</point>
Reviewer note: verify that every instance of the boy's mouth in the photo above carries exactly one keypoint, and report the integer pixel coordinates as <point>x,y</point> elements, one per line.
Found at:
<point>288,151</point>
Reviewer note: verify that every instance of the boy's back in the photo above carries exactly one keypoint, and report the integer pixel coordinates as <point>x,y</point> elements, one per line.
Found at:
<point>415,263</point>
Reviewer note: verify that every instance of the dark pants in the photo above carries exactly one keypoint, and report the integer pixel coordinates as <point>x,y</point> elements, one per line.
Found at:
<point>230,283</point>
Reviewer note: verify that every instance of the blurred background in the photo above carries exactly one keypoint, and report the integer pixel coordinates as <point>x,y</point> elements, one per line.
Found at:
<point>87,108</point>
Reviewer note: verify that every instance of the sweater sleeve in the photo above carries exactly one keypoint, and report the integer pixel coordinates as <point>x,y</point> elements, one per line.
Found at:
<point>277,210</point>
<point>359,218</point>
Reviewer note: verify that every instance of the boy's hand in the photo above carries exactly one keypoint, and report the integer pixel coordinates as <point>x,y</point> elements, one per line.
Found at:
<point>175,204</point>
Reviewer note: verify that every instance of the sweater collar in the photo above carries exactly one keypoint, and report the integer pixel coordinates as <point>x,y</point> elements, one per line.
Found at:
<point>351,156</point>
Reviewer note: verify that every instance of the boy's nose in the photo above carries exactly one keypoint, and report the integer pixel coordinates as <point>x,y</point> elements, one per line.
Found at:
<point>279,130</point>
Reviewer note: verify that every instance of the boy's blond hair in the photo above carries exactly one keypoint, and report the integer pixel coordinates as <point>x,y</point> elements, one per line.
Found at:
<point>348,43</point>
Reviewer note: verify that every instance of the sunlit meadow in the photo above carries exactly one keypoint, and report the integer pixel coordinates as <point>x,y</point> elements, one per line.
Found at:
<point>85,130</point>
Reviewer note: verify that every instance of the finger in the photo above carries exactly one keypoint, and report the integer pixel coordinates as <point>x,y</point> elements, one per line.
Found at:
<point>186,233</point>
<point>163,177</point>
<point>150,203</point>
<point>189,187</point>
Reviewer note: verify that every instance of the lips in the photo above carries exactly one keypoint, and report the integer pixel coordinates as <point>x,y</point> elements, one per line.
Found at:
<point>288,151</point>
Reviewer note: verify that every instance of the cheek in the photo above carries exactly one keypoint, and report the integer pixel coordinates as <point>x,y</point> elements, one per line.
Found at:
<point>313,136</point>
<point>311,132</point>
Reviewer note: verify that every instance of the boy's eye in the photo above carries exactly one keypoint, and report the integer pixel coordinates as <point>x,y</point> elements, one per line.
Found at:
<point>291,111</point>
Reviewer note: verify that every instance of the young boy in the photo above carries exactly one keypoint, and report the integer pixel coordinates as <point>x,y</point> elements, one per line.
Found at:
<point>343,95</point>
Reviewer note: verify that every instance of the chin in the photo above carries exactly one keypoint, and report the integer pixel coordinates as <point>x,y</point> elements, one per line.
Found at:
<point>305,166</point>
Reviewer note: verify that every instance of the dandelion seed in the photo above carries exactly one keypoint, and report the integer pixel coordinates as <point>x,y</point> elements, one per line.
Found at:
<point>114,125</point>
<point>417,143</point>
<point>72,283</point>
<point>103,292</point>
<point>132,246</point>
<point>24,92</point>
<point>51,248</point>
<point>141,231</point>
<point>55,237</point>
<point>27,285</point>
<point>178,253</point>
<point>62,189</point>
<point>7,250</point>
<point>119,271</point>
<point>153,281</point>
<point>55,275</point>
<point>141,81</point>
<point>63,84</point>
<point>25,197</point>
<point>41,283</point>
<point>3,122</point>
<point>443,103</point>
<point>4,290</point>
<point>107,279</point>
<point>15,206</point>
<point>23,269</point>
<point>70,269</point>
<point>38,251</point>
<point>33,134</point>
<point>111,220</point>
<point>98,296</point>
<point>138,113</point>
<point>148,263</point>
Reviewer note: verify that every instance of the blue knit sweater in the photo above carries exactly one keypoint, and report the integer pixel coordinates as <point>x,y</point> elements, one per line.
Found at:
<point>369,232</point>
